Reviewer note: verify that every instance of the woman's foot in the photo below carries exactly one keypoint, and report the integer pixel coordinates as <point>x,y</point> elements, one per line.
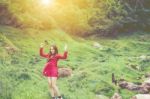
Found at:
<point>53,98</point>
<point>59,97</point>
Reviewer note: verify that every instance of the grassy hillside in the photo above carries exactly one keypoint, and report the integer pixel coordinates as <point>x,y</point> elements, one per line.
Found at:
<point>21,68</point>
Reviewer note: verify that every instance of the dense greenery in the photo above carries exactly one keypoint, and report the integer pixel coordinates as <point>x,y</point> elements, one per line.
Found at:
<point>83,17</point>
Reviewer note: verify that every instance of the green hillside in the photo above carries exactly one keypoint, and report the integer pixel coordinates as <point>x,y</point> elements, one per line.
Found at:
<point>104,37</point>
<point>21,68</point>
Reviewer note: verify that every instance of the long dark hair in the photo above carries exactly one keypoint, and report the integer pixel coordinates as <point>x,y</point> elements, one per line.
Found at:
<point>50,53</point>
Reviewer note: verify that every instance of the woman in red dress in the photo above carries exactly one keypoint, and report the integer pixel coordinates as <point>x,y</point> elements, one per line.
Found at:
<point>51,69</point>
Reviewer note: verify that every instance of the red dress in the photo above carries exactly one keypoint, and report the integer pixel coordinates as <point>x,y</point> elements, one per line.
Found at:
<point>50,68</point>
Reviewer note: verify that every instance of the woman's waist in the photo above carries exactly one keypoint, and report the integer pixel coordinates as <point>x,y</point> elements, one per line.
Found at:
<point>51,64</point>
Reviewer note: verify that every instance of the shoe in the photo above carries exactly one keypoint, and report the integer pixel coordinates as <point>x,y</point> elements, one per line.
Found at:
<point>59,97</point>
<point>53,98</point>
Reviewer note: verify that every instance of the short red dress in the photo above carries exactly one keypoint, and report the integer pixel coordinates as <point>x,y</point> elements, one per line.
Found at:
<point>51,68</point>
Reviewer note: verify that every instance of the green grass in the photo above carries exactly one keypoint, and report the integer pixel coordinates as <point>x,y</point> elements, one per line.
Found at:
<point>21,73</point>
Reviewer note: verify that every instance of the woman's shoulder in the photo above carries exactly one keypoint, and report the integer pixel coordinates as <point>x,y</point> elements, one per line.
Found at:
<point>58,55</point>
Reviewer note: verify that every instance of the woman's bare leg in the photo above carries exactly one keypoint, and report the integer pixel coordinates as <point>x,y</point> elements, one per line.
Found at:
<point>50,87</point>
<point>54,79</point>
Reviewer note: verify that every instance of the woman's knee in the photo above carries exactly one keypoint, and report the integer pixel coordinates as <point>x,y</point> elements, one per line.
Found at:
<point>50,85</point>
<point>53,85</point>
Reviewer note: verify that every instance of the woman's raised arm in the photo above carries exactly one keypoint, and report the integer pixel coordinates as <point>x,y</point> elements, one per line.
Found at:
<point>42,52</point>
<point>64,56</point>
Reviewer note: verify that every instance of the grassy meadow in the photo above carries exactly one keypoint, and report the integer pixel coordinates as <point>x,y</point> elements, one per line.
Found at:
<point>21,71</point>
<point>104,37</point>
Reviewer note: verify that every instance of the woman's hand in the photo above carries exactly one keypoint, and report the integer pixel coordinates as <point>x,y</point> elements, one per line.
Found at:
<point>42,45</point>
<point>65,48</point>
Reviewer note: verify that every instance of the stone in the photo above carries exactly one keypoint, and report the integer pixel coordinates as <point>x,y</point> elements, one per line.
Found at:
<point>143,88</point>
<point>11,50</point>
<point>147,81</point>
<point>141,96</point>
<point>97,45</point>
<point>147,75</point>
<point>64,72</point>
<point>101,97</point>
<point>116,96</point>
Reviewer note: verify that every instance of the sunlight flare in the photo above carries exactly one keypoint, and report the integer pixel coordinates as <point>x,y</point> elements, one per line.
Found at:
<point>46,2</point>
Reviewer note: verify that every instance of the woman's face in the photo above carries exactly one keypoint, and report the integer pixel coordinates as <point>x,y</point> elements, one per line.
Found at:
<point>52,50</point>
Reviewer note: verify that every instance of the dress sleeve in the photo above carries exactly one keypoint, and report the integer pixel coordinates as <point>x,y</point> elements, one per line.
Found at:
<point>42,53</point>
<point>64,56</point>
